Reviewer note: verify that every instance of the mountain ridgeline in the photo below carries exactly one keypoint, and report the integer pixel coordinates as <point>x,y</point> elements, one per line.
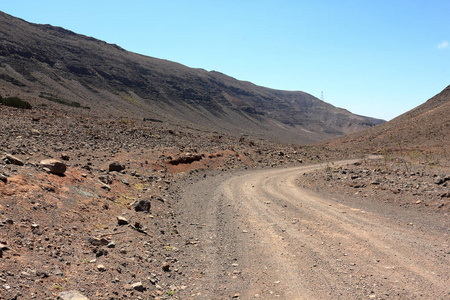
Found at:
<point>42,63</point>
<point>424,129</point>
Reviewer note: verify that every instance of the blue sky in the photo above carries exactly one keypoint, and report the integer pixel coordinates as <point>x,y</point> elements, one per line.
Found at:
<point>374,58</point>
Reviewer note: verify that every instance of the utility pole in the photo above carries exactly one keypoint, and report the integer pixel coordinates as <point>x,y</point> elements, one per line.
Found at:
<point>321,97</point>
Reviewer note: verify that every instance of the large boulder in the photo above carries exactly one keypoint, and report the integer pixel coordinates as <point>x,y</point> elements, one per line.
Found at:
<point>54,166</point>
<point>115,166</point>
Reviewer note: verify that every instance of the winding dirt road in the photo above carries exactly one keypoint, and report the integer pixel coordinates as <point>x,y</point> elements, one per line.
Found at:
<point>256,234</point>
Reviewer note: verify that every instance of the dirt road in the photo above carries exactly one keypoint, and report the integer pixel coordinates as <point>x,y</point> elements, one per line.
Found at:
<point>256,234</point>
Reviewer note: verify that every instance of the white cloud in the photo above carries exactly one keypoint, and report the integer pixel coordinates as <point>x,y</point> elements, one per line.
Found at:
<point>443,45</point>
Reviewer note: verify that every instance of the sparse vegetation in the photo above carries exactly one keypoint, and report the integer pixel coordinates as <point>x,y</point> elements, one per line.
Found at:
<point>15,102</point>
<point>64,102</point>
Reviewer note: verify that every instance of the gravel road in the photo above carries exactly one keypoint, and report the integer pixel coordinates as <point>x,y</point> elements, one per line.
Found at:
<point>257,234</point>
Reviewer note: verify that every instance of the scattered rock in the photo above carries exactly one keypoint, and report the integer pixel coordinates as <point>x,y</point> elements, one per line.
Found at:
<point>101,252</point>
<point>106,179</point>
<point>8,158</point>
<point>143,205</point>
<point>35,132</point>
<point>54,166</point>
<point>3,246</point>
<point>116,167</point>
<point>104,186</point>
<point>98,241</point>
<point>122,221</point>
<point>438,180</point>
<point>138,286</point>
<point>101,268</point>
<point>188,159</point>
<point>3,178</point>
<point>71,295</point>
<point>166,267</point>
<point>65,156</point>
<point>42,273</point>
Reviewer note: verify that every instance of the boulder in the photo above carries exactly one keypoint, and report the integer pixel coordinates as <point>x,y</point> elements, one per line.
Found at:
<point>115,166</point>
<point>166,267</point>
<point>8,158</point>
<point>142,205</point>
<point>138,286</point>
<point>122,221</point>
<point>101,268</point>
<point>95,241</point>
<point>71,295</point>
<point>54,166</point>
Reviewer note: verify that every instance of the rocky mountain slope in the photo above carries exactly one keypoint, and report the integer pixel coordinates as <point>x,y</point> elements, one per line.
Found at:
<point>42,63</point>
<point>422,130</point>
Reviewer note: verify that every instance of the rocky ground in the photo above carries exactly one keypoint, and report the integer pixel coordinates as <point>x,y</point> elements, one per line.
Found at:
<point>102,220</point>
<point>393,180</point>
<point>79,228</point>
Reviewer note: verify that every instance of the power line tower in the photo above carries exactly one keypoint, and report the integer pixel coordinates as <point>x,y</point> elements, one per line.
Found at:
<point>321,97</point>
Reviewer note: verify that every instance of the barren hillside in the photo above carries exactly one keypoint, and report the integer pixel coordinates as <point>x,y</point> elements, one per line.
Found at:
<point>425,128</point>
<point>42,62</point>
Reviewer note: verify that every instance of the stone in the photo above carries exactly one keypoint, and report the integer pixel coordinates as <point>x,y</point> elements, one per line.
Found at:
<point>122,221</point>
<point>438,180</point>
<point>98,241</point>
<point>166,267</point>
<point>101,268</point>
<point>42,273</point>
<point>104,186</point>
<point>3,178</point>
<point>143,205</point>
<point>101,252</point>
<point>106,179</point>
<point>71,295</point>
<point>138,286</point>
<point>54,166</point>
<point>8,158</point>
<point>115,166</point>
<point>65,156</point>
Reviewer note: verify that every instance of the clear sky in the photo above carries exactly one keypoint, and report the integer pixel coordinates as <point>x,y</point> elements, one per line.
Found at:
<point>375,58</point>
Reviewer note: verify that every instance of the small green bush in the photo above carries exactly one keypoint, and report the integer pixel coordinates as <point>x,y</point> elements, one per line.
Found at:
<point>15,102</point>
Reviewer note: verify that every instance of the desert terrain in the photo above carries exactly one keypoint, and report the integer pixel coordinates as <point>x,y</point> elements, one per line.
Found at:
<point>138,178</point>
<point>221,216</point>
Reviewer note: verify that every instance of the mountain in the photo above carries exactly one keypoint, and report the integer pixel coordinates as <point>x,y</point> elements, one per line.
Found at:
<point>43,63</point>
<point>425,128</point>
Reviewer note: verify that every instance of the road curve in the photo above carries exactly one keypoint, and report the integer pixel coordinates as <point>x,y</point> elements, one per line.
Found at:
<point>259,235</point>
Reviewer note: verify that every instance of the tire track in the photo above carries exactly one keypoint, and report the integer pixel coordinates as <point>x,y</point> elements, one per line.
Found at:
<point>292,243</point>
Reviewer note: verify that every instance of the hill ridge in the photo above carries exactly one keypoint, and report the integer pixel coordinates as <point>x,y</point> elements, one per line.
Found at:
<point>108,78</point>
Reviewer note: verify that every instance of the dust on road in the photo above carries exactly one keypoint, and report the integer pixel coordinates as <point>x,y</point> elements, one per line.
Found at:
<point>259,235</point>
